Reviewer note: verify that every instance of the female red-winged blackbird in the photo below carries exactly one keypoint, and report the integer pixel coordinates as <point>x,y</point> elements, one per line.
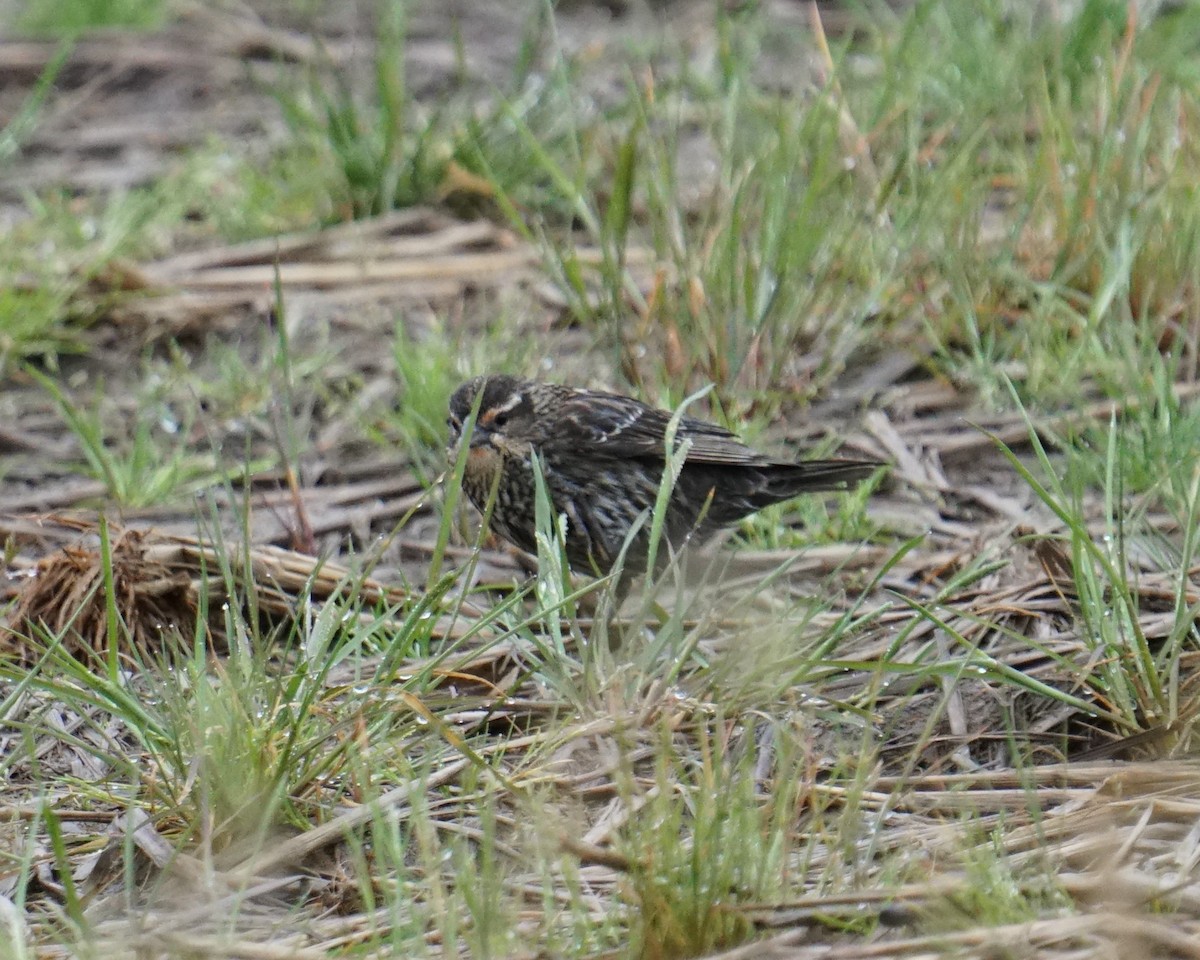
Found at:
<point>602,457</point>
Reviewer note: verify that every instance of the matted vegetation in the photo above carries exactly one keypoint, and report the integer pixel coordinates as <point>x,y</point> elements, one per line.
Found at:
<point>267,689</point>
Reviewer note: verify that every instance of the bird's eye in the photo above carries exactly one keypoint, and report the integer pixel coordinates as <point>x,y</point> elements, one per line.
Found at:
<point>500,419</point>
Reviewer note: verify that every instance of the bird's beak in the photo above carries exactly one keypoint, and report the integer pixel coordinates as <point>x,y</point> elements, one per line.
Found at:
<point>480,437</point>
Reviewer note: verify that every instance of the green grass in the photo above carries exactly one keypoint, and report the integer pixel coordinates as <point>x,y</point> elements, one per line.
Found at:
<point>47,18</point>
<point>374,147</point>
<point>1009,201</point>
<point>50,256</point>
<point>62,264</point>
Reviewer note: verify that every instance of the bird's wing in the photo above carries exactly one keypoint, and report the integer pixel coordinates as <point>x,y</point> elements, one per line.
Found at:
<point>612,426</point>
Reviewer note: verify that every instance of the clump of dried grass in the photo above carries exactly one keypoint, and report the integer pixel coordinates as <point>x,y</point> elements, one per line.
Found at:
<point>161,584</point>
<point>66,598</point>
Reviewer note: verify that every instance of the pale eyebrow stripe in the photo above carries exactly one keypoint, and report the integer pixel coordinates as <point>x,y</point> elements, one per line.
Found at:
<point>509,404</point>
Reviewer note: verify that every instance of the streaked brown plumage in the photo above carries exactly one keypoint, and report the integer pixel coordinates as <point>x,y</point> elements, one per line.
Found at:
<point>602,456</point>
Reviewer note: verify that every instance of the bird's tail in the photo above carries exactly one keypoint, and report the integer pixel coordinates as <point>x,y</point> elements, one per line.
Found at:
<point>786,480</point>
<point>738,492</point>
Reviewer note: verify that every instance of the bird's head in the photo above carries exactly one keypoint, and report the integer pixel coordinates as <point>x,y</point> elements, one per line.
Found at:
<point>506,416</point>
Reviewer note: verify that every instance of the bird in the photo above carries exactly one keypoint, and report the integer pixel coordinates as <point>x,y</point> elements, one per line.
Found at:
<point>602,457</point>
